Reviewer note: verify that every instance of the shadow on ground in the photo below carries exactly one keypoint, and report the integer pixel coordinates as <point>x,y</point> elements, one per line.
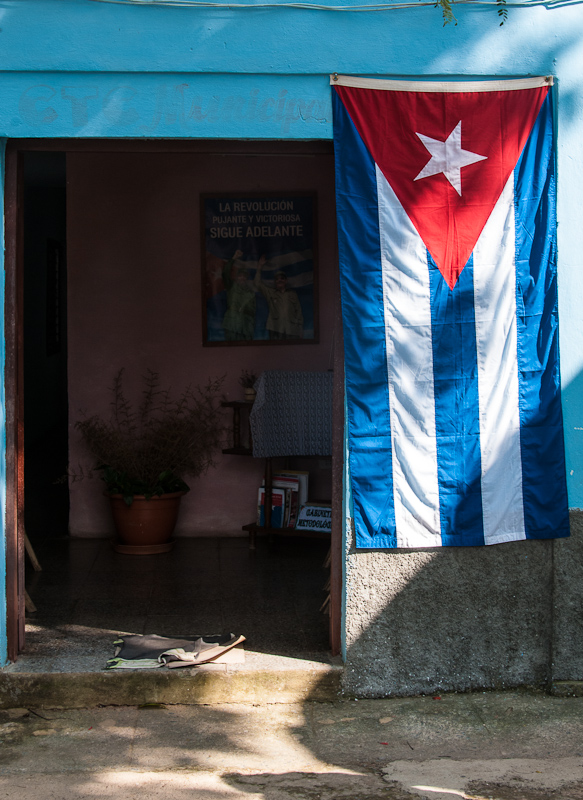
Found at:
<point>504,746</point>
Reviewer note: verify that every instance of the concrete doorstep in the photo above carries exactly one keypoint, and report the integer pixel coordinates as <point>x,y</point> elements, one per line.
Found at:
<point>261,679</point>
<point>497,745</point>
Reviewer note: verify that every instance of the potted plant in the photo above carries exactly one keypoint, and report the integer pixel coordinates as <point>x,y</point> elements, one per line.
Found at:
<point>143,455</point>
<point>247,381</point>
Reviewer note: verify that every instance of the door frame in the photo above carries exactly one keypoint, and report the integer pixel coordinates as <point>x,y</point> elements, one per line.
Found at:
<point>14,366</point>
<point>13,371</point>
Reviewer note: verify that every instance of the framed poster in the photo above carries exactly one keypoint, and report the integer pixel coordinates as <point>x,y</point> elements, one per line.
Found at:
<point>259,269</point>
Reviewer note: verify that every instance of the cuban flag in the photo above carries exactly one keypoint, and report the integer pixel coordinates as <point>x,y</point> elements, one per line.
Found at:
<point>447,235</point>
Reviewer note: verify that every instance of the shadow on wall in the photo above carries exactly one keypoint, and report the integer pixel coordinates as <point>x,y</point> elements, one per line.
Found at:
<point>463,618</point>
<point>455,618</point>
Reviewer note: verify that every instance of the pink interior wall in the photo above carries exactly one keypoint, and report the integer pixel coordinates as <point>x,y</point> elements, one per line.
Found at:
<point>134,301</point>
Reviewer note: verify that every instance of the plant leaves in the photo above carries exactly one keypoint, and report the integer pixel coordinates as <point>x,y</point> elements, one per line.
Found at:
<point>149,451</point>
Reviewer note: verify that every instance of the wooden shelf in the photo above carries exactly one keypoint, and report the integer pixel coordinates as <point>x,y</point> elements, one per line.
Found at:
<point>238,451</point>
<point>253,529</point>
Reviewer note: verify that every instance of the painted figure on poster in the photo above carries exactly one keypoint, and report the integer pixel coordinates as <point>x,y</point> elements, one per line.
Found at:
<point>285,320</point>
<point>239,319</point>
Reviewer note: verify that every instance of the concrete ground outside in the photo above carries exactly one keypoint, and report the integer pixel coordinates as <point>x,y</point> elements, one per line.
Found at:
<point>503,745</point>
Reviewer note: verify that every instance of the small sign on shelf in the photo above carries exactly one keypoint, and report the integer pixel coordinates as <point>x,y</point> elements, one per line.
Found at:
<point>315,517</point>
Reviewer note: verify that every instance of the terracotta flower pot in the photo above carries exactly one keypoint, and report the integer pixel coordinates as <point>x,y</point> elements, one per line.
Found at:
<point>146,526</point>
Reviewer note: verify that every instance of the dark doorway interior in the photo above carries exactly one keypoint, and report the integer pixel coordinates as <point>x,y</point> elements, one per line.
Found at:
<point>45,344</point>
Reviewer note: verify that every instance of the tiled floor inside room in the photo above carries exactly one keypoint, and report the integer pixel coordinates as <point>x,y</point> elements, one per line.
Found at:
<point>87,594</point>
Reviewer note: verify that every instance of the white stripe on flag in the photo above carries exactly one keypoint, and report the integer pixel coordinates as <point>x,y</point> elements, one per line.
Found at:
<point>495,309</point>
<point>407,309</point>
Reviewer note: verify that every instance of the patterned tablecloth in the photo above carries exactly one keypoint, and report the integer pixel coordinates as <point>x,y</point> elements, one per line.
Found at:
<point>292,414</point>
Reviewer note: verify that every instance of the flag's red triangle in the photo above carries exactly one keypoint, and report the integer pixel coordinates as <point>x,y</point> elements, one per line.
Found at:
<point>395,127</point>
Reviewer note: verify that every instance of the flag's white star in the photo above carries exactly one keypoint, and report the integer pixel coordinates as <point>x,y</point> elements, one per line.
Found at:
<point>448,157</point>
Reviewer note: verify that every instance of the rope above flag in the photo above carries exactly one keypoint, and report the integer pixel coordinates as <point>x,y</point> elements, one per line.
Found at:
<point>446,216</point>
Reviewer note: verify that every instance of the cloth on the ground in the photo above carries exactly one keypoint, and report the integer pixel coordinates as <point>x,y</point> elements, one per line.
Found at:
<point>292,414</point>
<point>135,651</point>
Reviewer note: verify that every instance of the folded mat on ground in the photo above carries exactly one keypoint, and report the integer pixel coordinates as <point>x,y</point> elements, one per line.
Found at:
<point>150,652</point>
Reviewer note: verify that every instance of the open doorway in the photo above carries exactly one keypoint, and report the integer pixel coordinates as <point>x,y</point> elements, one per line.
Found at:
<point>109,203</point>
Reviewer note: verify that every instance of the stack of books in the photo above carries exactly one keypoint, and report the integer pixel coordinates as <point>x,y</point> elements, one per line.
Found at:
<point>290,492</point>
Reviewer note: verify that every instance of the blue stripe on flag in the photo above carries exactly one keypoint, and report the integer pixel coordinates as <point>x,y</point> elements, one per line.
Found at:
<point>456,407</point>
<point>364,345</point>
<point>542,446</point>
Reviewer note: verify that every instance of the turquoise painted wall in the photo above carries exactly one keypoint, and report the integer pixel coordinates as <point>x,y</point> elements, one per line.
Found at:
<point>81,68</point>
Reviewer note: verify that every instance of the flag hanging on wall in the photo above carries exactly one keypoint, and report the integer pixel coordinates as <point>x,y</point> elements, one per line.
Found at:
<point>447,235</point>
